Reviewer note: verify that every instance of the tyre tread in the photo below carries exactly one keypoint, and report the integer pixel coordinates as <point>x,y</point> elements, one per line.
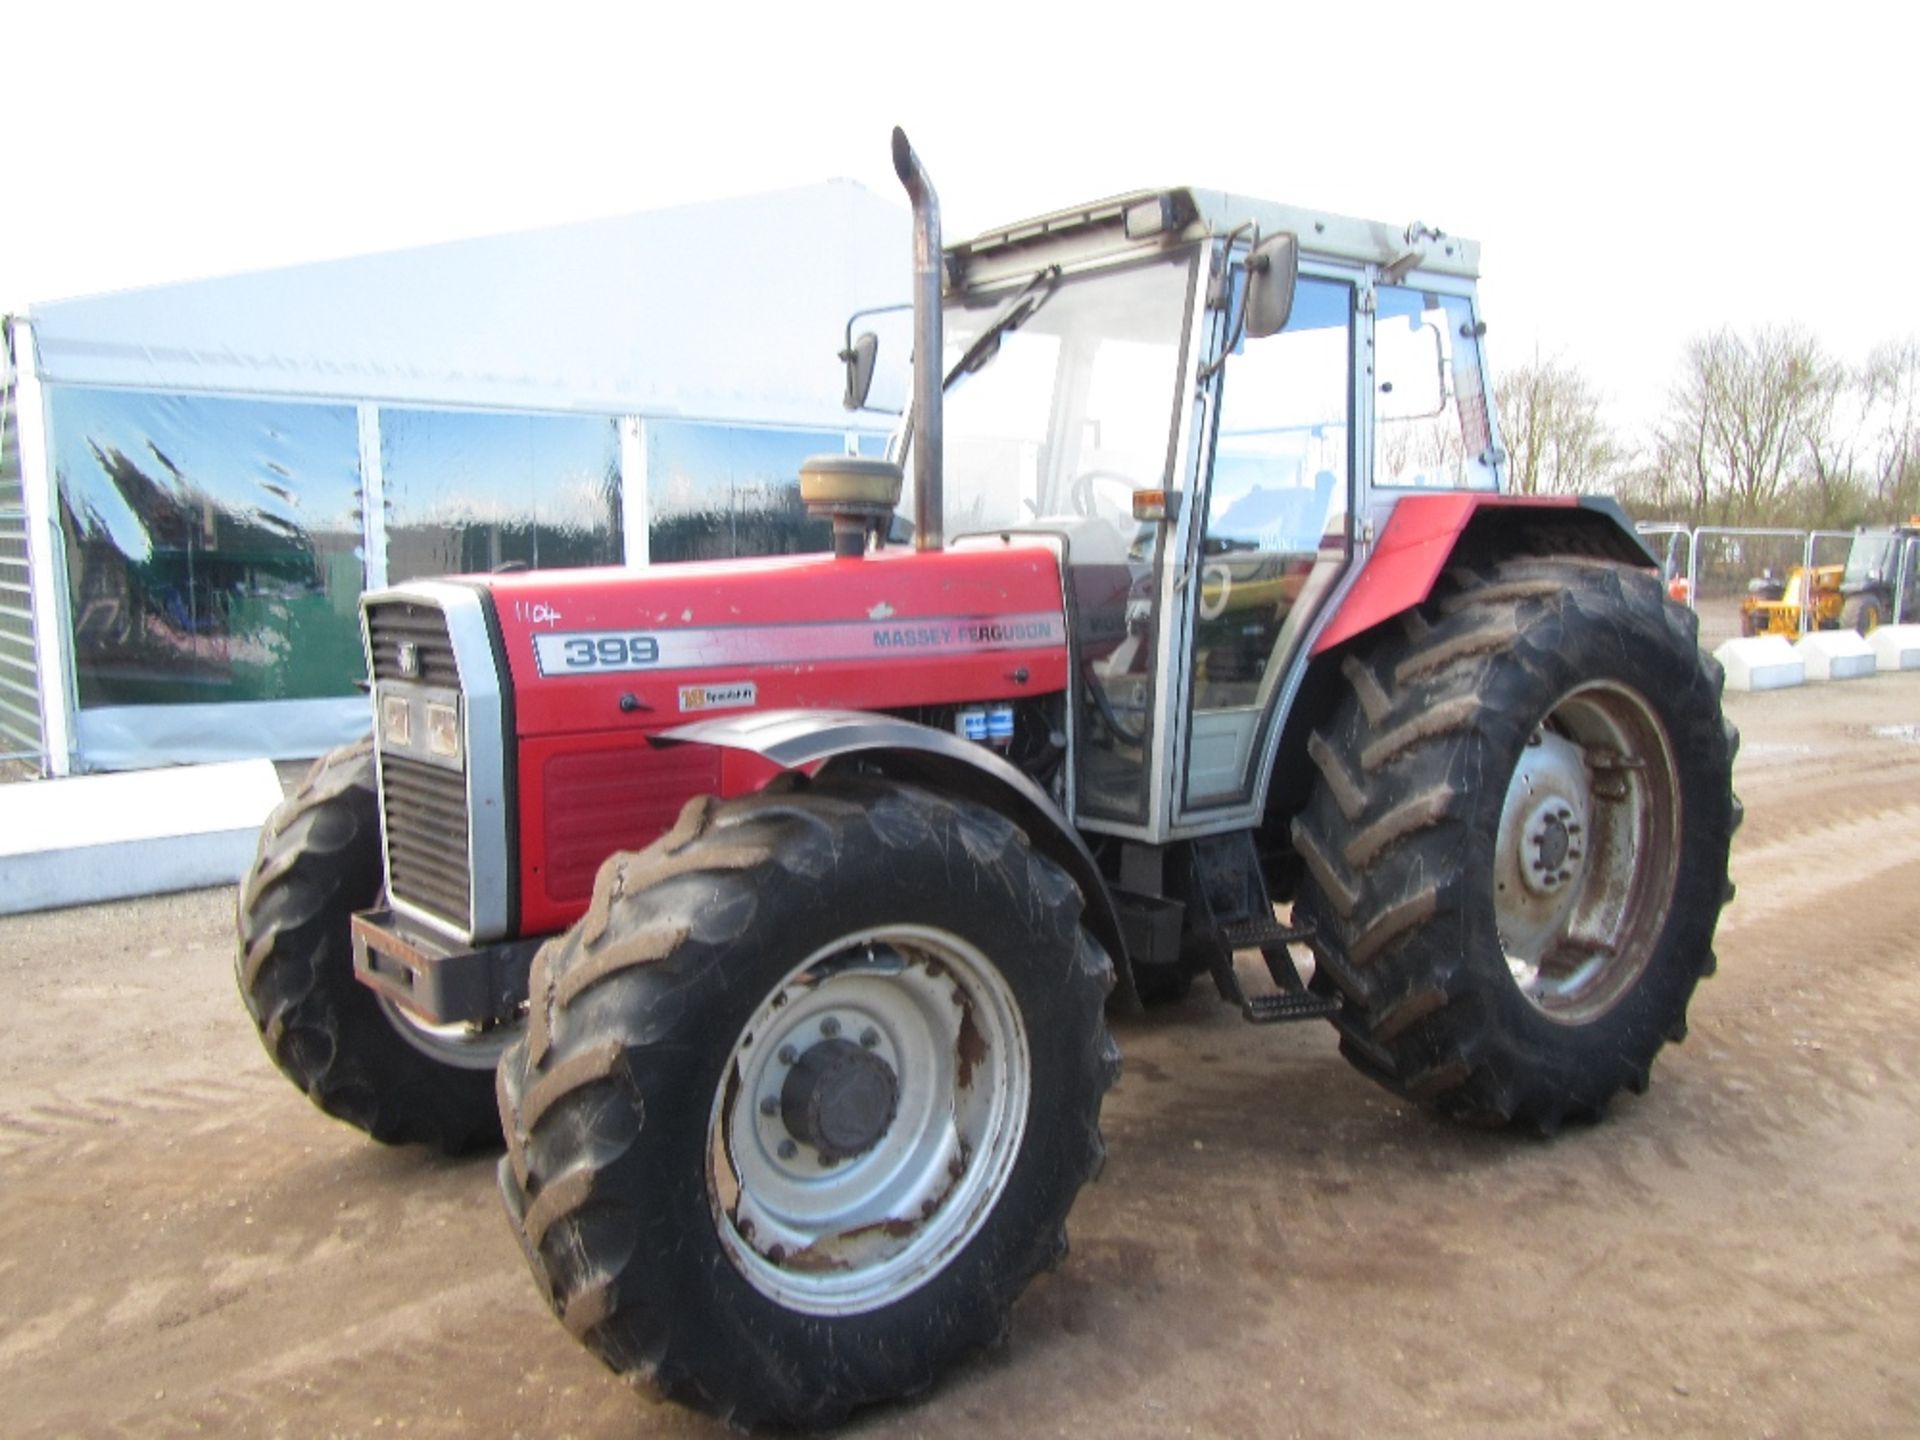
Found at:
<point>606,998</point>
<point>1382,839</point>
<point>318,861</point>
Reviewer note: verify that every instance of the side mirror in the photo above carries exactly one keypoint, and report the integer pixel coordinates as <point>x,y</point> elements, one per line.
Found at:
<point>859,359</point>
<point>1272,269</point>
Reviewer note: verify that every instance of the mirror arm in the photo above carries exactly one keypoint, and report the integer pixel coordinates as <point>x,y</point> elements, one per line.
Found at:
<point>1237,332</point>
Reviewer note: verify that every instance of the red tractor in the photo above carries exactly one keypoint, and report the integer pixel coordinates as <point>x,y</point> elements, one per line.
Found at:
<point>786,898</point>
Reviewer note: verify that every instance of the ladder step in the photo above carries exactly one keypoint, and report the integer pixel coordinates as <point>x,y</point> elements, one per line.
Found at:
<point>1264,932</point>
<point>1290,1002</point>
<point>1271,1009</point>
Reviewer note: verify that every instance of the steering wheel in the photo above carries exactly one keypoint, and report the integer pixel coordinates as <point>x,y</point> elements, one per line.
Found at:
<point>1080,492</point>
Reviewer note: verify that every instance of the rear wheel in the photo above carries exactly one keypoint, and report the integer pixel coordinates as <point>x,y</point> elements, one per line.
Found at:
<point>806,1096</point>
<point>356,1057</point>
<point>1518,851</point>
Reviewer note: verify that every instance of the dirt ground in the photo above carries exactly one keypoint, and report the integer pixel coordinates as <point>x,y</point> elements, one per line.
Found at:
<point>1277,1248</point>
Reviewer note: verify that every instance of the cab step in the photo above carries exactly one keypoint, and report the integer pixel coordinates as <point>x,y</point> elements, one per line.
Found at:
<point>1294,1002</point>
<point>1291,1000</point>
<point>1280,1006</point>
<point>1261,933</point>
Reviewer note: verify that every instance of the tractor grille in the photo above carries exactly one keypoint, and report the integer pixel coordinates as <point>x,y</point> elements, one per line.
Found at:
<point>426,810</point>
<point>423,805</point>
<point>392,625</point>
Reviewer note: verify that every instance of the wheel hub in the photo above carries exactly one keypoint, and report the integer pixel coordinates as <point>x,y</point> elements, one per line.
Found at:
<point>1552,845</point>
<point>1543,843</point>
<point>839,1099</point>
<point>870,1113</point>
<point>1585,852</point>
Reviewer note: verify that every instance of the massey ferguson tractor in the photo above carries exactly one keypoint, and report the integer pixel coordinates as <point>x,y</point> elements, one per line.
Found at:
<point>771,910</point>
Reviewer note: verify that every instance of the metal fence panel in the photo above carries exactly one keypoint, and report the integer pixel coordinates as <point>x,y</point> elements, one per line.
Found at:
<point>1744,582</point>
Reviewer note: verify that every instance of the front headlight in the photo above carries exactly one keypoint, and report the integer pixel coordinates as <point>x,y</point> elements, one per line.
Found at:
<point>443,730</point>
<point>396,721</point>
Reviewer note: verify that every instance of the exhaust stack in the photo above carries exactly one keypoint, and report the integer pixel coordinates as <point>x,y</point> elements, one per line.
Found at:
<point>928,524</point>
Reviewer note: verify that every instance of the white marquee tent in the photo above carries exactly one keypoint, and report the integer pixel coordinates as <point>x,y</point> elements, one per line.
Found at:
<point>204,476</point>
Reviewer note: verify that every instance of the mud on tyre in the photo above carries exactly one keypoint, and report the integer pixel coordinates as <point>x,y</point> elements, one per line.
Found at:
<point>805,1097</point>
<point>1517,852</point>
<point>318,863</point>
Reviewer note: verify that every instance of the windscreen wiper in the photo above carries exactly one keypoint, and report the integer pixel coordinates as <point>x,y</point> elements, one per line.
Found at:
<point>1020,309</point>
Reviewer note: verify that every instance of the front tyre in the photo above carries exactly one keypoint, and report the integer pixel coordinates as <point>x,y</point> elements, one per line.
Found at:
<point>1863,614</point>
<point>805,1097</point>
<point>358,1059</point>
<point>1517,853</point>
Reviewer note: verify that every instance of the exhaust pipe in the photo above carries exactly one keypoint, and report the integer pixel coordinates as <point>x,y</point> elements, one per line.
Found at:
<point>928,524</point>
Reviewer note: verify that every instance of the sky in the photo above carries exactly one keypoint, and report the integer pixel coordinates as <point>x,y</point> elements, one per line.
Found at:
<point>1637,174</point>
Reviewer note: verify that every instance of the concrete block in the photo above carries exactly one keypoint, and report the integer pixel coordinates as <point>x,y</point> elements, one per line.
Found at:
<point>1836,655</point>
<point>1896,647</point>
<point>145,832</point>
<point>1764,662</point>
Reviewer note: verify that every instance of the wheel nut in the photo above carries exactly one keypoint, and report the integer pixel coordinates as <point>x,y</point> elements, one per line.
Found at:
<point>788,1149</point>
<point>869,1037</point>
<point>830,1027</point>
<point>769,1104</point>
<point>787,1055</point>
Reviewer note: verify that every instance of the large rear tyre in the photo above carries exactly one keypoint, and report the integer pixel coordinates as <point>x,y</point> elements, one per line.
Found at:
<point>1517,853</point>
<point>357,1059</point>
<point>805,1098</point>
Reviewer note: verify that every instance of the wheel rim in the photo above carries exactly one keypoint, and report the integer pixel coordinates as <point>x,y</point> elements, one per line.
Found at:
<point>465,1047</point>
<point>834,1191</point>
<point>1585,854</point>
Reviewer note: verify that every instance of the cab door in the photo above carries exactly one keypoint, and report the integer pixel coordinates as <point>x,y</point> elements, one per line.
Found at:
<point>1275,535</point>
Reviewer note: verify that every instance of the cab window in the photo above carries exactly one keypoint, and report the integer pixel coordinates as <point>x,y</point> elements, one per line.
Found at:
<point>1430,406</point>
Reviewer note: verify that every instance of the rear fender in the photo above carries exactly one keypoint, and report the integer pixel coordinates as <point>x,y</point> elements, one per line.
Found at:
<point>1424,535</point>
<point>921,755</point>
<point>1425,532</point>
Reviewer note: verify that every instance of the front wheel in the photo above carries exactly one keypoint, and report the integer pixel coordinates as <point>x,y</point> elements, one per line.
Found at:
<point>1862,614</point>
<point>1518,852</point>
<point>356,1056</point>
<point>806,1096</point>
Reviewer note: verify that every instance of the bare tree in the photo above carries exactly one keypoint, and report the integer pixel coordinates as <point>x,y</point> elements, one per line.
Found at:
<point>1556,441</point>
<point>1750,419</point>
<point>1828,495</point>
<point>1890,405</point>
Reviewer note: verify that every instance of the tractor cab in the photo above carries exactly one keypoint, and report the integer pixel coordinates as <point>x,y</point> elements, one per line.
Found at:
<point>1205,439</point>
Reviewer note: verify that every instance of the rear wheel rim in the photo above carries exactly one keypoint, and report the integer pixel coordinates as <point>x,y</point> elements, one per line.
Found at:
<point>843,1233</point>
<point>1585,853</point>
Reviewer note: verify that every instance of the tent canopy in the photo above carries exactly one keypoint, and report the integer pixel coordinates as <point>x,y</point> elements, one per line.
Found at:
<point>730,311</point>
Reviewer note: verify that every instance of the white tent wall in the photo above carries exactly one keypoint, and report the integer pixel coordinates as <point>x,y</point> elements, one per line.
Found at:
<point>730,311</point>
<point>700,335</point>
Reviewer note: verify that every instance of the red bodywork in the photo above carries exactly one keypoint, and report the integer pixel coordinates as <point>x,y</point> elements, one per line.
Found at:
<point>889,631</point>
<point>1414,546</point>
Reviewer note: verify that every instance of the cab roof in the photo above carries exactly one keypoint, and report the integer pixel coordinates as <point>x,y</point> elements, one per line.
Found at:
<point>1145,221</point>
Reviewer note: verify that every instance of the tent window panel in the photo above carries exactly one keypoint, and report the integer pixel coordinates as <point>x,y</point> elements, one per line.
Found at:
<point>470,492</point>
<point>717,491</point>
<point>213,546</point>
